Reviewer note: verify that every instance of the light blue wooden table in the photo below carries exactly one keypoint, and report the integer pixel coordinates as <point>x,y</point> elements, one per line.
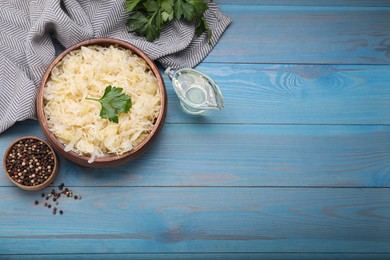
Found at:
<point>297,165</point>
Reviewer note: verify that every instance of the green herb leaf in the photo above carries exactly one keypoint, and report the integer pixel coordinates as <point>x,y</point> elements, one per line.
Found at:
<point>199,6</point>
<point>188,12</point>
<point>137,22</point>
<point>166,17</point>
<point>178,9</point>
<point>147,26</point>
<point>113,102</point>
<point>151,6</point>
<point>131,4</point>
<point>147,17</point>
<point>167,6</point>
<point>167,10</point>
<point>203,27</point>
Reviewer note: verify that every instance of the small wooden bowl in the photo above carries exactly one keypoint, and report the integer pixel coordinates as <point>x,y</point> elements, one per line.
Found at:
<point>39,186</point>
<point>112,161</point>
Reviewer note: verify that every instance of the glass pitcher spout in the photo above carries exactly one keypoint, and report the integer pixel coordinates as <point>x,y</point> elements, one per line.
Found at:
<point>196,91</point>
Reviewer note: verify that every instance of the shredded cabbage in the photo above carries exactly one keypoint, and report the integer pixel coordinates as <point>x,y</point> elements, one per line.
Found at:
<point>86,72</point>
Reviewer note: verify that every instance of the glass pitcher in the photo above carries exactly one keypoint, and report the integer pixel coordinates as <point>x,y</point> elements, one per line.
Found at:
<point>196,91</point>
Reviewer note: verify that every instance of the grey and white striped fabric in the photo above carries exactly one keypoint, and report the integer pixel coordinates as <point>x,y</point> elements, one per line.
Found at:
<point>26,46</point>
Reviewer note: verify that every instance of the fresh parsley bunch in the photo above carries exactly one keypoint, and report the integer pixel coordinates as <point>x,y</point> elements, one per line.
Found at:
<point>148,16</point>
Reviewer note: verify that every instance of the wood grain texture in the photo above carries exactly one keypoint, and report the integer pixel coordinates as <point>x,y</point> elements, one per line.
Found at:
<point>184,220</point>
<point>299,34</point>
<point>295,167</point>
<point>207,255</point>
<point>238,155</point>
<point>294,94</point>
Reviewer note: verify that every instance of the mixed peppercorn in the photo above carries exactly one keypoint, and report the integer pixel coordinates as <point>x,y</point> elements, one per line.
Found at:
<point>53,198</point>
<point>30,162</point>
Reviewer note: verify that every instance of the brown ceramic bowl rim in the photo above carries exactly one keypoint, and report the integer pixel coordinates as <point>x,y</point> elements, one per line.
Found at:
<point>102,42</point>
<point>43,184</point>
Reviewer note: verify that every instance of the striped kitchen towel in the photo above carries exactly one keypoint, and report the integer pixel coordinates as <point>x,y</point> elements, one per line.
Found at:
<point>26,45</point>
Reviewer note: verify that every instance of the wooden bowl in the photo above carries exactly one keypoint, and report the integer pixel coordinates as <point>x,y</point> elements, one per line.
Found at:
<point>40,186</point>
<point>112,161</point>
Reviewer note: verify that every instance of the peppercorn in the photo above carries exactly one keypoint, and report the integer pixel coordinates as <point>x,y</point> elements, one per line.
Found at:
<point>55,197</point>
<point>24,162</point>
<point>36,202</point>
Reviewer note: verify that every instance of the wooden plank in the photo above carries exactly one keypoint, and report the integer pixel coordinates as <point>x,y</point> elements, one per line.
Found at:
<point>185,220</point>
<point>242,155</point>
<point>294,94</point>
<point>301,34</point>
<point>384,3</point>
<point>202,256</point>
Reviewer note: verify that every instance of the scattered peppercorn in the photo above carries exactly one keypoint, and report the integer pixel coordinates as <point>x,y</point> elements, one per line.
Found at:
<point>55,195</point>
<point>30,162</point>
<point>36,202</point>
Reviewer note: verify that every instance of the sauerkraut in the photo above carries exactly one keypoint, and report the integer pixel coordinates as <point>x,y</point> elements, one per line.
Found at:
<point>85,73</point>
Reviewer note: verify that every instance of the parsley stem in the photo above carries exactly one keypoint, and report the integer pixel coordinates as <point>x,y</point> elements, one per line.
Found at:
<point>95,99</point>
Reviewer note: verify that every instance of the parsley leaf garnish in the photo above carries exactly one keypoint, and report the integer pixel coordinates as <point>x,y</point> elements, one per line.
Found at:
<point>147,17</point>
<point>113,102</point>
